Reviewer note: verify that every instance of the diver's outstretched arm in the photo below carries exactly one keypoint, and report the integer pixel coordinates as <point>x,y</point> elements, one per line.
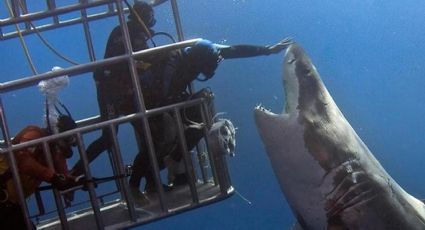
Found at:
<point>156,2</point>
<point>276,48</point>
<point>242,51</point>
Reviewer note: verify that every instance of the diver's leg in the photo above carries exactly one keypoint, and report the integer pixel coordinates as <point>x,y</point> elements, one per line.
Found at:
<point>143,169</point>
<point>142,166</point>
<point>139,170</point>
<point>108,110</point>
<point>193,135</point>
<point>194,115</point>
<point>141,161</point>
<point>150,186</point>
<point>98,146</point>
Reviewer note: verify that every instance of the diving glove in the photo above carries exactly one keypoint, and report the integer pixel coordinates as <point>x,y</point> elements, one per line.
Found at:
<point>62,182</point>
<point>276,48</point>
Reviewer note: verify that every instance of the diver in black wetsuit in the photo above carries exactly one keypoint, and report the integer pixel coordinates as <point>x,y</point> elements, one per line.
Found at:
<point>113,83</point>
<point>170,78</point>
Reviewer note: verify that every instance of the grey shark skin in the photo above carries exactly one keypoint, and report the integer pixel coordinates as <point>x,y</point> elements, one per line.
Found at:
<point>328,175</point>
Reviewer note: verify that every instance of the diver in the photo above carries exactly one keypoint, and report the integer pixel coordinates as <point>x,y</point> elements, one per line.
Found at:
<point>33,169</point>
<point>115,94</point>
<point>167,81</point>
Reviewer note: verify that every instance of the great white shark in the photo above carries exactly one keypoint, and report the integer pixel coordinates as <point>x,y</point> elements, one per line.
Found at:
<point>328,175</point>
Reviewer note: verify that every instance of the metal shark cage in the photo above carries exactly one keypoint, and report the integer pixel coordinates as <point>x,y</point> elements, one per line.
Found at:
<point>208,179</point>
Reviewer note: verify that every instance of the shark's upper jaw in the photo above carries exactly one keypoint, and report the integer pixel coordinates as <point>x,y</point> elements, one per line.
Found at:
<point>289,78</point>
<point>290,84</point>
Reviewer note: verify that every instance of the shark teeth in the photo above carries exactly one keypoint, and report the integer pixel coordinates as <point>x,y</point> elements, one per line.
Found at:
<point>262,108</point>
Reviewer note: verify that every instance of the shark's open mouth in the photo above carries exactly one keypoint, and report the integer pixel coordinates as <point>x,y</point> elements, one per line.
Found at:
<point>289,81</point>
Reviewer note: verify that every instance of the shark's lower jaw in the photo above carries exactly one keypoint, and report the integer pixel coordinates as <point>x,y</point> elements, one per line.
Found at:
<point>261,109</point>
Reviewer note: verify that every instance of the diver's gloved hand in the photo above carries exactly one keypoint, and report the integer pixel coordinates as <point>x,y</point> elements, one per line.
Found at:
<point>63,182</point>
<point>276,48</point>
<point>69,196</point>
<point>82,180</point>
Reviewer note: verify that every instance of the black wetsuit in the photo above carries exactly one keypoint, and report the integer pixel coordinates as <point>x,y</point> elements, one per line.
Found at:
<point>171,77</point>
<point>114,86</point>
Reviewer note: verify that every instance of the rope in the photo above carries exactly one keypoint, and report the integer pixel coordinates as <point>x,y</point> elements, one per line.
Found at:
<point>46,43</point>
<point>145,28</point>
<point>242,197</point>
<point>22,41</point>
<point>51,48</point>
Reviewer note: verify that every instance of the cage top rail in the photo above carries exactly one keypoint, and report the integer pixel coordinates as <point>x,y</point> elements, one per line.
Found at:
<point>23,16</point>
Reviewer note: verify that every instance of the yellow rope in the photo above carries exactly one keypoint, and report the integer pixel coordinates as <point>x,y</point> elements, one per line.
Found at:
<point>145,28</point>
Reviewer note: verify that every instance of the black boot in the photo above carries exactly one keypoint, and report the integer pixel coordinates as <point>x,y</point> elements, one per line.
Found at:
<point>180,179</point>
<point>151,188</point>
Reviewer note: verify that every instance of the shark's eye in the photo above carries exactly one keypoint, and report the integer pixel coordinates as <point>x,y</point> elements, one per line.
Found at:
<point>292,60</point>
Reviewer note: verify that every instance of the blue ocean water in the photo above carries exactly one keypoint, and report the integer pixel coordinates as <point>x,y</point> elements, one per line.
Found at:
<point>369,53</point>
